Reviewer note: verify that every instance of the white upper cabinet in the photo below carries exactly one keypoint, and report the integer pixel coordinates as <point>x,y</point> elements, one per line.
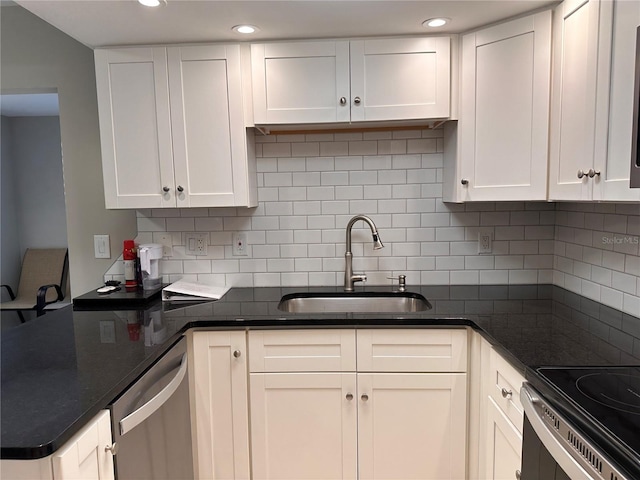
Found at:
<point>172,127</point>
<point>613,183</point>
<point>351,81</point>
<point>300,82</point>
<point>592,100</point>
<point>498,148</point>
<point>400,79</point>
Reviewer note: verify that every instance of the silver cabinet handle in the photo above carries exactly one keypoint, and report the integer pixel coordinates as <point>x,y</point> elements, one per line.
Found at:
<point>138,416</point>
<point>237,353</point>
<point>580,174</point>
<point>518,474</point>
<point>464,182</point>
<point>506,393</point>
<point>357,100</point>
<point>113,448</point>
<point>343,100</point>
<point>165,189</point>
<point>180,189</point>
<point>349,396</point>
<point>592,173</point>
<point>364,397</point>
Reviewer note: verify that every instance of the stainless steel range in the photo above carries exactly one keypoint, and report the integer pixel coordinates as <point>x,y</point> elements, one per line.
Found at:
<point>582,423</point>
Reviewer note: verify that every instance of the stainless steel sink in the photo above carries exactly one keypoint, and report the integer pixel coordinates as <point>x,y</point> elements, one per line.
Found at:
<point>354,302</point>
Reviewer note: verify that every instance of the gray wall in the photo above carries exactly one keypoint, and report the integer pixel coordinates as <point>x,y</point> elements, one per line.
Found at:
<point>37,182</point>
<point>36,57</point>
<point>9,238</point>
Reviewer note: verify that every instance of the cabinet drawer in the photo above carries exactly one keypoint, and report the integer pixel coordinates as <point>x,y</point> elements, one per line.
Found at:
<point>412,350</point>
<point>302,351</point>
<point>504,379</point>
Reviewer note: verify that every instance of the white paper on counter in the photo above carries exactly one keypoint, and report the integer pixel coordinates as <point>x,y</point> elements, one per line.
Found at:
<point>183,290</point>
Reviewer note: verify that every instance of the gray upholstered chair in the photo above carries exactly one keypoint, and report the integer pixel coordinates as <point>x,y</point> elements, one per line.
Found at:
<point>43,281</point>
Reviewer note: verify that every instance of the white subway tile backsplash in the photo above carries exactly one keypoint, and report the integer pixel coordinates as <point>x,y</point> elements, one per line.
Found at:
<point>310,185</point>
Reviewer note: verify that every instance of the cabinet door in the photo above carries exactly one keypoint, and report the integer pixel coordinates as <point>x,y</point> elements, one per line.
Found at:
<point>412,425</point>
<point>613,162</point>
<point>220,420</point>
<point>300,82</point>
<point>84,456</point>
<point>135,127</point>
<point>504,122</point>
<point>209,145</point>
<point>574,99</point>
<point>400,79</point>
<point>503,445</point>
<point>303,426</point>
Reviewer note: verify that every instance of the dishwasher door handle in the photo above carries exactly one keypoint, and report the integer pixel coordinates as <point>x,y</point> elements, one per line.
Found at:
<point>139,415</point>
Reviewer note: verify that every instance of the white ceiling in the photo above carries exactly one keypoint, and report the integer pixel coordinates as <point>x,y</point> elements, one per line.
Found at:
<point>98,23</point>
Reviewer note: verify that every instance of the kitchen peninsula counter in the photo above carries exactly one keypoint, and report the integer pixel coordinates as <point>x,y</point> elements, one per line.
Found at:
<point>61,369</point>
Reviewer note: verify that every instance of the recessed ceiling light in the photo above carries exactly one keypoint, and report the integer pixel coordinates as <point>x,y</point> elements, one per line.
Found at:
<point>435,22</point>
<point>152,3</point>
<point>246,29</point>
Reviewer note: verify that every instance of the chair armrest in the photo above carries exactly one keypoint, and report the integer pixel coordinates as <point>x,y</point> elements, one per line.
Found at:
<point>11,294</point>
<point>42,294</point>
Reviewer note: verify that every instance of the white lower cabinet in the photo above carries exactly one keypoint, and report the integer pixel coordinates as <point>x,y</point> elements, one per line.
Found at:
<point>412,425</point>
<point>83,457</point>
<point>219,405</point>
<point>503,443</point>
<point>304,426</point>
<point>501,417</point>
<point>385,424</point>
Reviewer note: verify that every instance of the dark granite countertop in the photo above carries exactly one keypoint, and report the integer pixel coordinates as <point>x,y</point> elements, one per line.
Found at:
<point>59,370</point>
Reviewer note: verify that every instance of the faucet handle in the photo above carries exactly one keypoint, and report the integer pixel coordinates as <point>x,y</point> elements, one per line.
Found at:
<point>402,282</point>
<point>359,277</point>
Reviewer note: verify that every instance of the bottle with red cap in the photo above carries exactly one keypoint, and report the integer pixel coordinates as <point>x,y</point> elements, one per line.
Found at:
<point>129,259</point>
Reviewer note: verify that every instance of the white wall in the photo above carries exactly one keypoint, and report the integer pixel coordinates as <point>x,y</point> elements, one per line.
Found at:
<point>36,57</point>
<point>9,240</point>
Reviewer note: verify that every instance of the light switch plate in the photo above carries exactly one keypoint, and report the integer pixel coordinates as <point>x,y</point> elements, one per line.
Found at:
<point>101,246</point>
<point>166,241</point>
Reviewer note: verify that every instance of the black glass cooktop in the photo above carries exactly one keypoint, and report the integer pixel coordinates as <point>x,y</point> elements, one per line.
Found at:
<point>608,395</point>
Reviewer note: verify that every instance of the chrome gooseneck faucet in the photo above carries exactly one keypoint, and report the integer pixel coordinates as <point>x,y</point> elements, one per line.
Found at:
<point>349,277</point>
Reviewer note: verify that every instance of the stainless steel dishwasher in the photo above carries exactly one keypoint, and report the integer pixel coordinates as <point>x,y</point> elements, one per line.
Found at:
<point>151,422</point>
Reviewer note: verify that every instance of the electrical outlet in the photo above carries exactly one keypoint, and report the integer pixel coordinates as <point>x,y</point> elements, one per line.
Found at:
<point>196,243</point>
<point>240,244</point>
<point>166,241</point>
<point>101,246</point>
<point>485,241</point>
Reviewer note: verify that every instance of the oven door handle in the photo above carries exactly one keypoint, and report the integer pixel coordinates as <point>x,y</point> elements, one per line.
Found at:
<point>139,415</point>
<point>570,465</point>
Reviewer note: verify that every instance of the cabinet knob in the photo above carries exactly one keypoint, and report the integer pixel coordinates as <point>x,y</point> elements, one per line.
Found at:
<point>113,448</point>
<point>349,396</point>
<point>165,189</point>
<point>506,393</point>
<point>357,100</point>
<point>180,189</point>
<point>580,174</point>
<point>518,474</point>
<point>464,182</point>
<point>237,353</point>
<point>592,173</point>
<point>343,100</point>
<point>364,397</point>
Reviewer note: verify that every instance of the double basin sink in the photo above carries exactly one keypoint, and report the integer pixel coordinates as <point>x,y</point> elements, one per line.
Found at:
<point>354,302</point>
